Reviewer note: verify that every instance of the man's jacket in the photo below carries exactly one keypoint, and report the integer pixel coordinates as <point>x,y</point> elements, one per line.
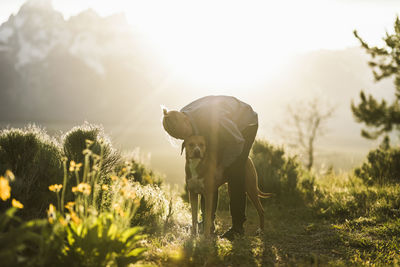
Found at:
<point>223,116</point>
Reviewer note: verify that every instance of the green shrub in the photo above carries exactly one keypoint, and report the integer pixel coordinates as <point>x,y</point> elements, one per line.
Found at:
<point>138,172</point>
<point>153,209</point>
<point>342,197</point>
<point>28,243</point>
<point>35,159</point>
<point>87,135</point>
<point>381,167</point>
<point>82,234</point>
<point>277,173</point>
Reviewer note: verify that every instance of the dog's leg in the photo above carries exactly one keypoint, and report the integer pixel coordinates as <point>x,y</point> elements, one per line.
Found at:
<point>209,198</point>
<point>194,200</point>
<point>209,189</point>
<point>210,184</point>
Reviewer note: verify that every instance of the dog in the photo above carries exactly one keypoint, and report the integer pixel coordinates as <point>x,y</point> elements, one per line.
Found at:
<point>199,183</point>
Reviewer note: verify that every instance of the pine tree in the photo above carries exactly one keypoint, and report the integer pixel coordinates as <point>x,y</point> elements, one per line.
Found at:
<point>382,116</point>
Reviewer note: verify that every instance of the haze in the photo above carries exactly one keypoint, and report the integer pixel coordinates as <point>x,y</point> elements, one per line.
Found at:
<point>267,53</point>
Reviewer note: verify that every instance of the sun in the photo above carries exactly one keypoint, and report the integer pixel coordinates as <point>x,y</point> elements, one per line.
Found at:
<point>241,43</point>
<point>218,44</point>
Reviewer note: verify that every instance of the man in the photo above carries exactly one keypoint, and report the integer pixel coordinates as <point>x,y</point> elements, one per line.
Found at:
<point>229,126</point>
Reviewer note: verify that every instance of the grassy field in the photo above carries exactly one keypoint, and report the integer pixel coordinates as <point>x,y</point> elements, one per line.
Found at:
<point>298,232</point>
<point>78,202</point>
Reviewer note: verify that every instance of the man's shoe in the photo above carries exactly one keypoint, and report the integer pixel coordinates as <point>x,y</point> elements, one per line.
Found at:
<point>233,233</point>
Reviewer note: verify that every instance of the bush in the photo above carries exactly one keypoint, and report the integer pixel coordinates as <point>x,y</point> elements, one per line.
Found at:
<point>27,243</point>
<point>277,173</point>
<point>80,233</point>
<point>153,209</point>
<point>35,159</point>
<point>87,135</point>
<point>138,172</point>
<point>381,167</point>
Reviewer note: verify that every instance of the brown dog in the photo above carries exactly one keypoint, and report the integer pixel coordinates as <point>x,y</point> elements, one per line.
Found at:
<point>199,182</point>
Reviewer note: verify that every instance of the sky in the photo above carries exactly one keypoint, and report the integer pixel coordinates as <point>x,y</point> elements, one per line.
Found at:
<point>223,44</point>
<point>245,40</point>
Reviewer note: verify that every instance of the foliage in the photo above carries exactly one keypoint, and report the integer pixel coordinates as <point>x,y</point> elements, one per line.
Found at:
<point>385,63</point>
<point>382,166</point>
<point>277,173</point>
<point>82,233</point>
<point>336,219</point>
<point>28,243</point>
<point>366,217</point>
<point>101,242</point>
<point>138,172</point>
<point>75,141</point>
<point>35,159</point>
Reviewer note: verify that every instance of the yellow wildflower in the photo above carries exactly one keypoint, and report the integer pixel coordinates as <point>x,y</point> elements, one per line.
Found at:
<point>119,210</point>
<point>72,166</point>
<point>51,213</point>
<point>75,218</point>
<point>55,187</point>
<point>5,189</point>
<point>62,221</point>
<point>83,188</point>
<point>104,187</point>
<point>16,204</point>
<point>10,175</point>
<point>78,166</point>
<point>114,177</point>
<point>69,205</point>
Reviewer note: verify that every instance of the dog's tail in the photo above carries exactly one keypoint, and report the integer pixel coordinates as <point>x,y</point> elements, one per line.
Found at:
<point>264,195</point>
<point>252,169</point>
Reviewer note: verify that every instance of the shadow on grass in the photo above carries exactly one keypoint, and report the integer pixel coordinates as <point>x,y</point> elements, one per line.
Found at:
<point>293,235</point>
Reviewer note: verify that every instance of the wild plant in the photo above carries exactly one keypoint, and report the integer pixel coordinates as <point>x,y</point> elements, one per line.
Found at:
<point>96,234</point>
<point>35,160</point>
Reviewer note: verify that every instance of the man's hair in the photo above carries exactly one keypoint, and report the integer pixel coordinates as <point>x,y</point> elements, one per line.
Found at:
<point>173,122</point>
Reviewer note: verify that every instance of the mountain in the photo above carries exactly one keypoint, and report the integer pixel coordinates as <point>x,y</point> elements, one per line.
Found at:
<point>57,69</point>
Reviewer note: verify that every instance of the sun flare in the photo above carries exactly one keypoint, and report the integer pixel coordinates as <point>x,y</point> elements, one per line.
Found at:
<point>227,45</point>
<point>237,44</point>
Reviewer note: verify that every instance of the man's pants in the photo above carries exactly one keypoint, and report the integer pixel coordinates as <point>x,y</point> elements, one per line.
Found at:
<point>236,182</point>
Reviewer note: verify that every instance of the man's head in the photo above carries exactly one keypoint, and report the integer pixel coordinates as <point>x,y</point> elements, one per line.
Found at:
<point>177,124</point>
<point>195,146</point>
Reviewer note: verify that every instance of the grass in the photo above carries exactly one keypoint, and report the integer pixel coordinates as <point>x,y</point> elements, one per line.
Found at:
<point>297,232</point>
<point>325,220</point>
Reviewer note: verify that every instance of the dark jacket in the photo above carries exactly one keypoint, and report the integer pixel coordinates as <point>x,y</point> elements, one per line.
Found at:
<point>224,116</point>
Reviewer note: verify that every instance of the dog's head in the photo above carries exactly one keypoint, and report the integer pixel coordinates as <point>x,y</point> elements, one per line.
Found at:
<point>195,146</point>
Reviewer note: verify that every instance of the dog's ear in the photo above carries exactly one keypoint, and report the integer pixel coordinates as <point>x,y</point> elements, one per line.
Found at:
<point>183,147</point>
